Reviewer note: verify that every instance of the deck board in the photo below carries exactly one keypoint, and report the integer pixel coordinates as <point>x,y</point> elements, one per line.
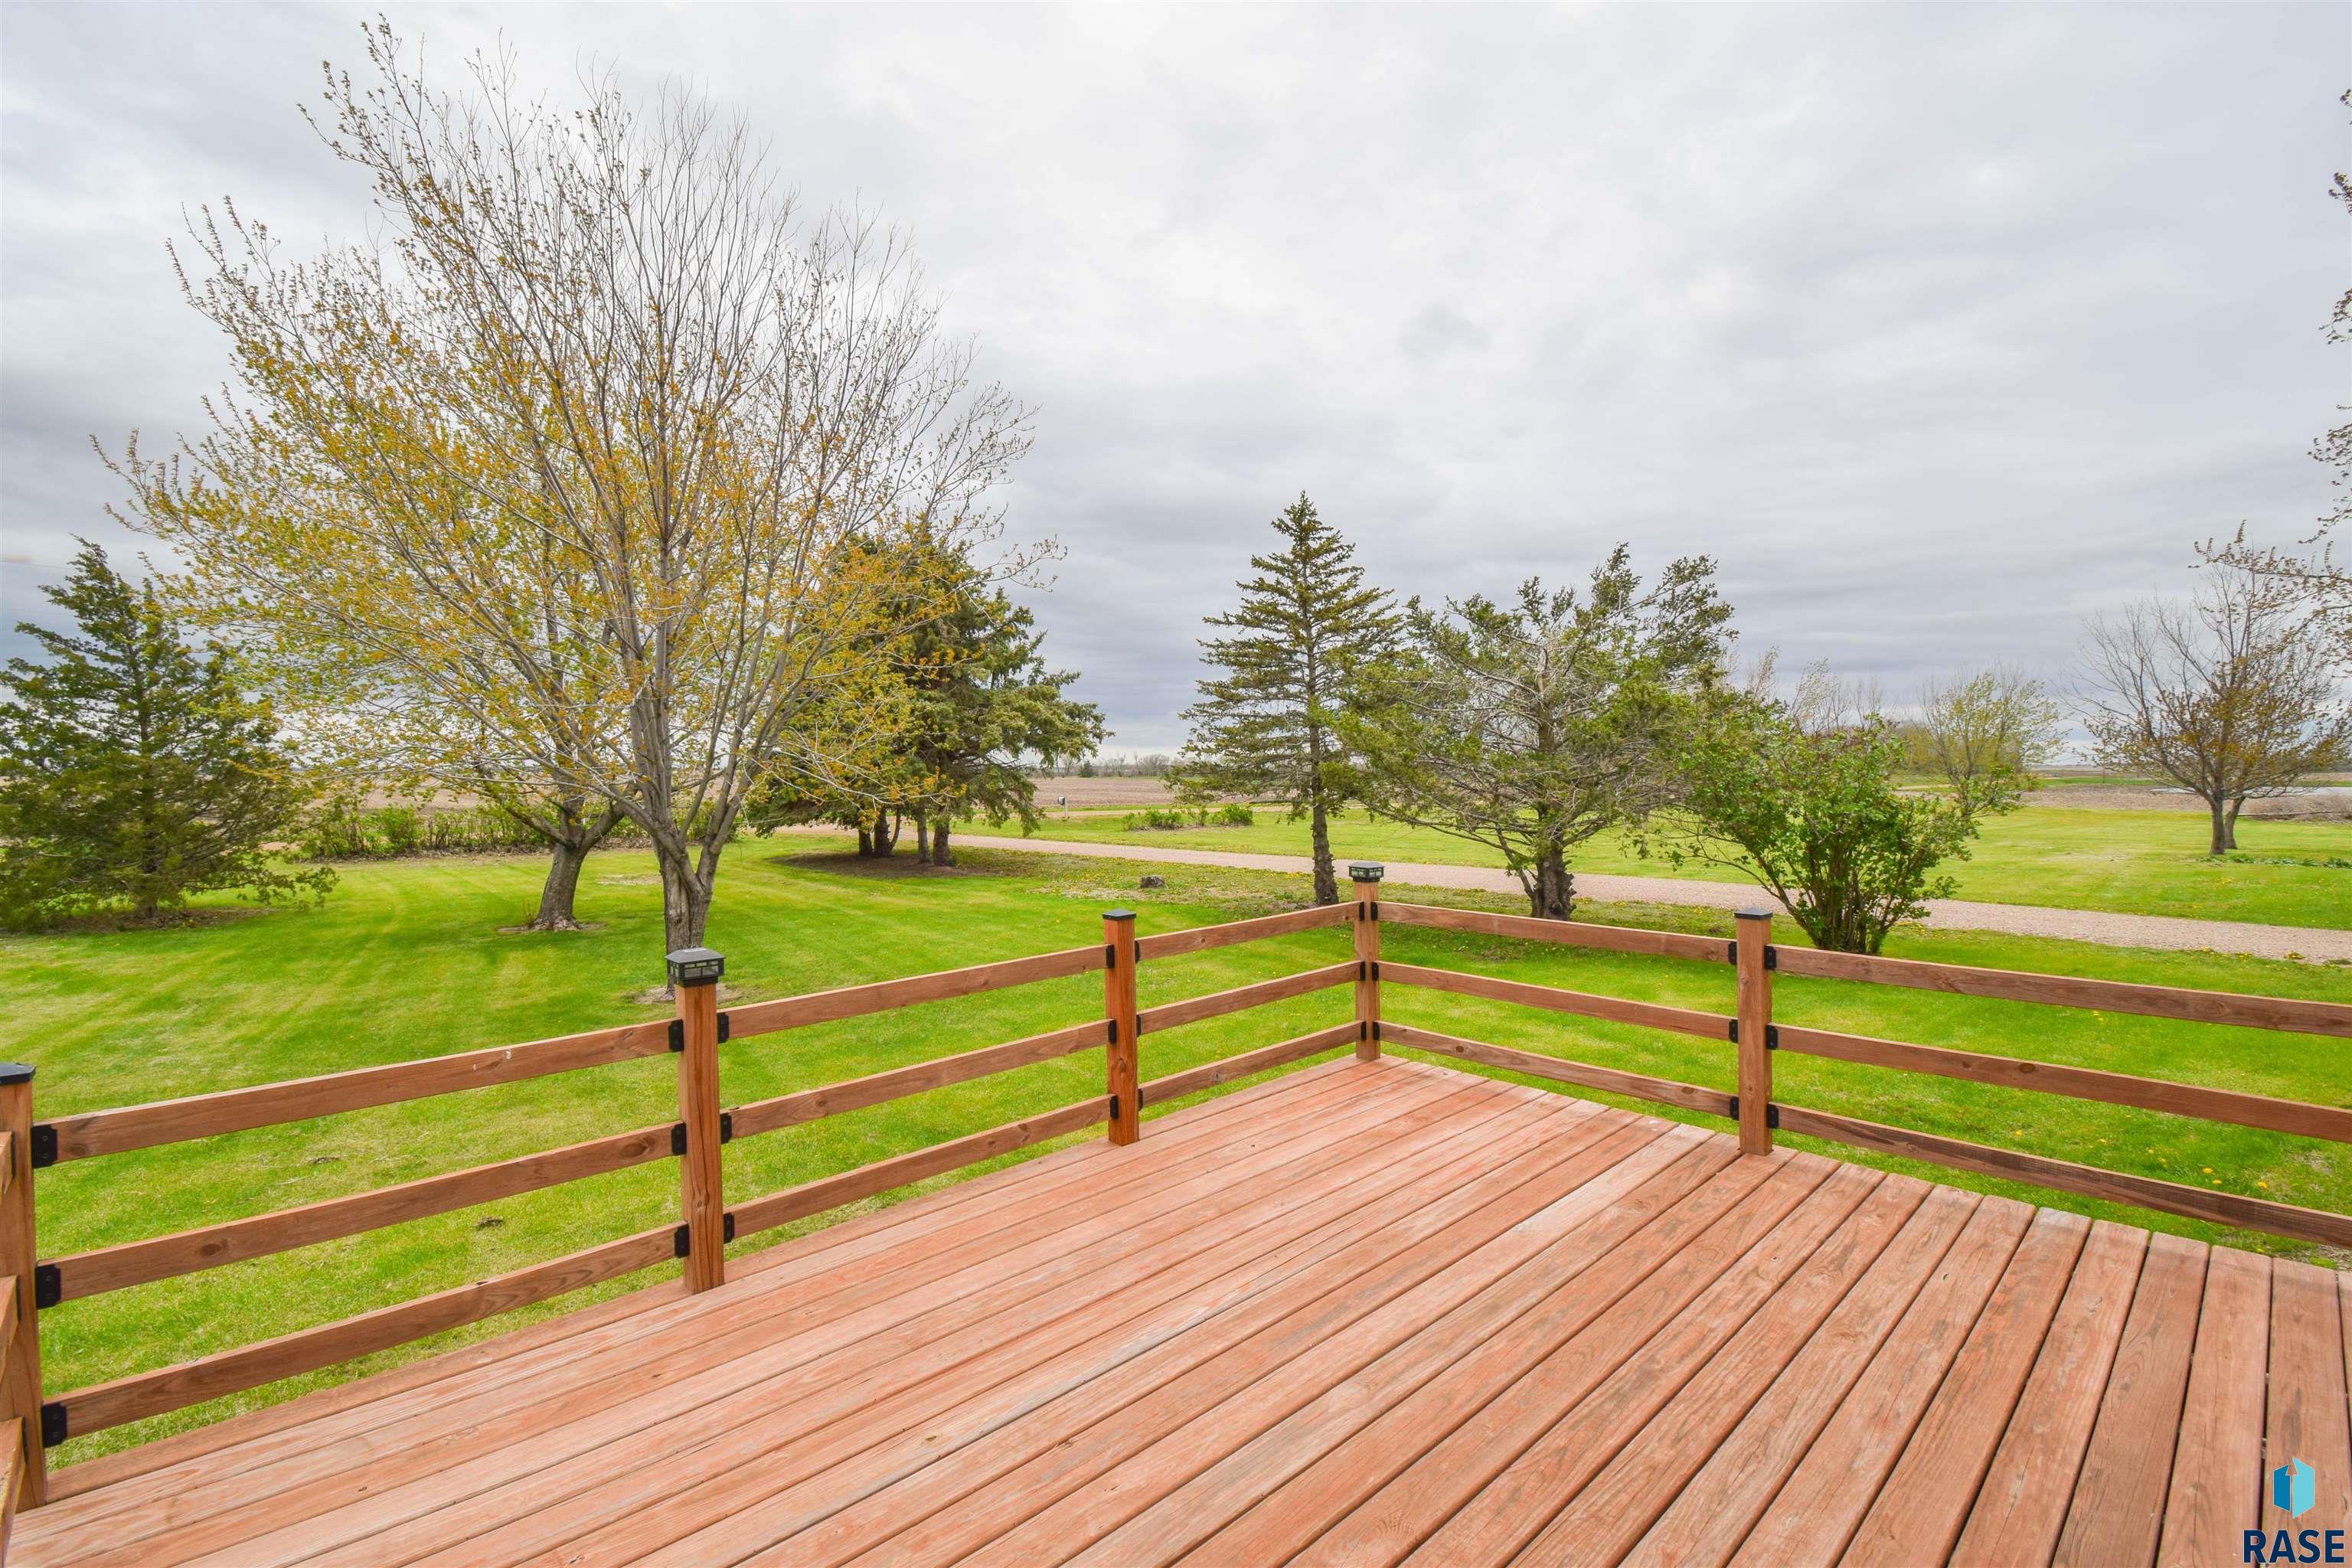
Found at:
<point>1366,1313</point>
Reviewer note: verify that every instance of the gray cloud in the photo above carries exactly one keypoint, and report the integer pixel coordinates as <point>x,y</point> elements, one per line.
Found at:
<point>1938,327</point>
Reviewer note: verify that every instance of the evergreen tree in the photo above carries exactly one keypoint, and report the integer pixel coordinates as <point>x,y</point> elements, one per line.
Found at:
<point>1530,727</point>
<point>132,770</point>
<point>1305,633</point>
<point>969,700</point>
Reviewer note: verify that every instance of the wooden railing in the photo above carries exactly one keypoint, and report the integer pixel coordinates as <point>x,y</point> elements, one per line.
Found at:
<point>1757,1039</point>
<point>697,1139</point>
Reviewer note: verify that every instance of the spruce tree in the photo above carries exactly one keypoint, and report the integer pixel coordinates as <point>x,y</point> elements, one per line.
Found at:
<point>1306,629</point>
<point>132,770</point>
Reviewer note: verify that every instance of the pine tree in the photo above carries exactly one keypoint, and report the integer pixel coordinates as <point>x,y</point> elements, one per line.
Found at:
<point>969,702</point>
<point>1306,630</point>
<point>132,770</point>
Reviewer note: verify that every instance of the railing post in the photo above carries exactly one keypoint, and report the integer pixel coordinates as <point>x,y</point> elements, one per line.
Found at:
<point>694,975</point>
<point>1367,881</point>
<point>1118,1008</point>
<point>20,1372</point>
<point>1753,951</point>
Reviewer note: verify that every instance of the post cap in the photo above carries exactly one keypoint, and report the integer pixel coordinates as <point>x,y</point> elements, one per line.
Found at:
<point>1118,914</point>
<point>15,1072</point>
<point>696,967</point>
<point>1758,914</point>
<point>1366,872</point>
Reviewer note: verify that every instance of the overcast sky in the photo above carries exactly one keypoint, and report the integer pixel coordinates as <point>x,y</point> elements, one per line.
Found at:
<point>1938,326</point>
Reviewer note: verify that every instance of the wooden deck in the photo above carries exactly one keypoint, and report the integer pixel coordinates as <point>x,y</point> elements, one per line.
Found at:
<point>1369,1313</point>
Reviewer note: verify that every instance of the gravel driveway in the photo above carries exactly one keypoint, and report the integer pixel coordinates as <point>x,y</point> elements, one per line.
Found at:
<point>2305,942</point>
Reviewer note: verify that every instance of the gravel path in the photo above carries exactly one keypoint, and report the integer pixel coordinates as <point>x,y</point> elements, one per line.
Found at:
<point>2305,942</point>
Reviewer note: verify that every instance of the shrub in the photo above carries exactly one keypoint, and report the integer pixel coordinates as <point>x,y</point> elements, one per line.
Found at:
<point>341,829</point>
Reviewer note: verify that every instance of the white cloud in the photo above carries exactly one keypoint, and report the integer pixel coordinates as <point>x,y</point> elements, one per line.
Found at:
<point>1936,325</point>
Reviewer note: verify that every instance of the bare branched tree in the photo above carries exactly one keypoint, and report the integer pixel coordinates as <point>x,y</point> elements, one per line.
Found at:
<point>2231,695</point>
<point>583,452</point>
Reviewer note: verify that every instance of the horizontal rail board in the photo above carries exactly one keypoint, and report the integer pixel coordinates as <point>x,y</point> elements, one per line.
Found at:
<point>865,1180</point>
<point>883,996</point>
<point>880,1088</point>
<point>1193,939</point>
<point>1176,1085</point>
<point>1641,1086</point>
<point>1571,933</point>
<point>2072,991</point>
<point>1615,1010</point>
<point>2065,1176</point>
<point>136,1397</point>
<point>131,1127</point>
<point>188,1251</point>
<point>1258,993</point>
<point>2082,1083</point>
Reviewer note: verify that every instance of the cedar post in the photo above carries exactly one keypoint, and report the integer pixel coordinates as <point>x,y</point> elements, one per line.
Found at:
<point>694,975</point>
<point>20,1357</point>
<point>1366,880</point>
<point>1753,952</point>
<point>1118,1008</point>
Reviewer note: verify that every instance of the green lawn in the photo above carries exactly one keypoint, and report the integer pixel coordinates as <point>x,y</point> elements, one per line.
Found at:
<point>405,961</point>
<point>2133,862</point>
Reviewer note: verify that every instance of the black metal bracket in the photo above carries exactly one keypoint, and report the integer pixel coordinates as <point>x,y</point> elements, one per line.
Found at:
<point>1772,1111</point>
<point>1114,1030</point>
<point>53,1424</point>
<point>1772,958</point>
<point>45,1144</point>
<point>681,1240</point>
<point>1367,969</point>
<point>677,1132</point>
<point>1111,955</point>
<point>1114,1108</point>
<point>678,1032</point>
<point>49,1285</point>
<point>1771,1034</point>
<point>1368,1029</point>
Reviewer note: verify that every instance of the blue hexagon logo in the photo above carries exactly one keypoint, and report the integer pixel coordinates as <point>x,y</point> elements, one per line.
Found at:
<point>2293,1488</point>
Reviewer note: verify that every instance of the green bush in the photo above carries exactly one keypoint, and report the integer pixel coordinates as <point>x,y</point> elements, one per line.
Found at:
<point>340,828</point>
<point>1236,815</point>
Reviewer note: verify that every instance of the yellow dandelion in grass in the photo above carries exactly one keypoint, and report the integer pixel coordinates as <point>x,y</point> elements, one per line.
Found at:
<point>2208,1170</point>
<point>2264,1185</point>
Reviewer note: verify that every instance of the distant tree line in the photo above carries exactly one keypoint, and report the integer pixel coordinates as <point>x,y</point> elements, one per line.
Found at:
<point>1532,723</point>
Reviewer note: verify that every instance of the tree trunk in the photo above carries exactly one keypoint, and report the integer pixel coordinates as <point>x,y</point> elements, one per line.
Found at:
<point>1552,894</point>
<point>2229,824</point>
<point>922,840</point>
<point>555,898</point>
<point>939,855</point>
<point>1326,879</point>
<point>2224,823</point>
<point>864,841</point>
<point>685,899</point>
